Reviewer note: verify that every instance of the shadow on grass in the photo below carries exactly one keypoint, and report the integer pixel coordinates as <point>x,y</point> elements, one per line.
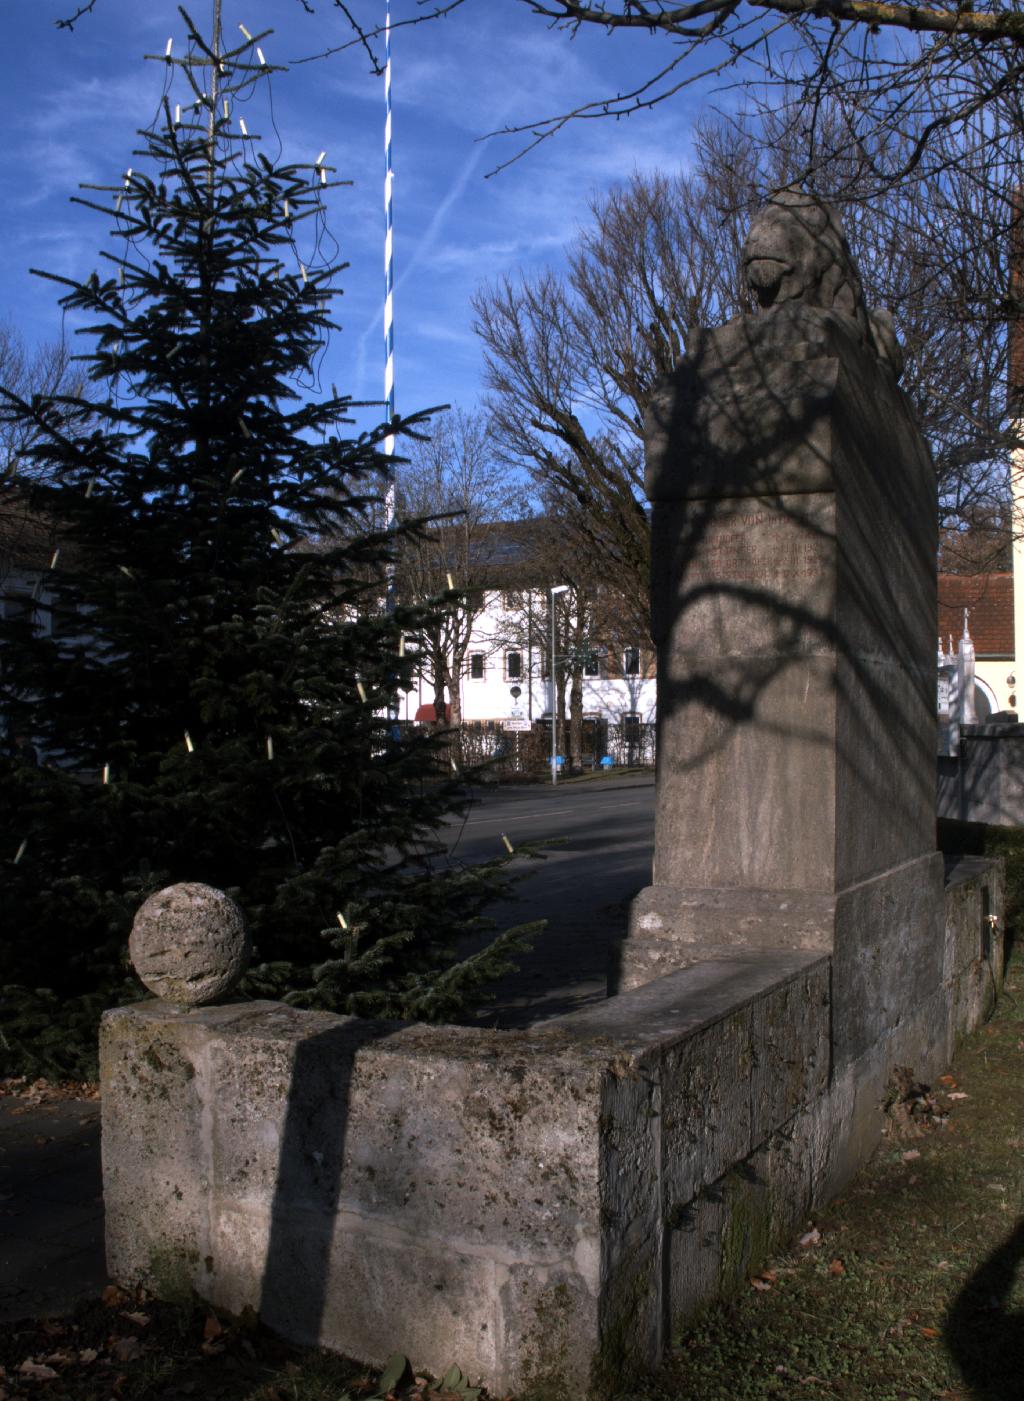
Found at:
<point>985,1335</point>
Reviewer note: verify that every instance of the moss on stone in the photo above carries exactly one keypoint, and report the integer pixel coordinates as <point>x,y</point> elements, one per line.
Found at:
<point>747,1236</point>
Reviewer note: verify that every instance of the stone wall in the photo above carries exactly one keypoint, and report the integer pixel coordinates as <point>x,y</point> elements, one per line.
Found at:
<point>543,1207</point>
<point>984,782</point>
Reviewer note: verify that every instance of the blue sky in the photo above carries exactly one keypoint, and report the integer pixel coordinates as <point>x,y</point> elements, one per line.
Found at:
<point>71,102</point>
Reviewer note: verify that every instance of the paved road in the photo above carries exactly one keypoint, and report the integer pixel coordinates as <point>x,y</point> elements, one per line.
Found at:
<point>601,835</point>
<point>51,1207</point>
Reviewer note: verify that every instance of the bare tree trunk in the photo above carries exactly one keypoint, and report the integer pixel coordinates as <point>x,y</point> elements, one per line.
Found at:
<point>576,718</point>
<point>439,670</point>
<point>560,689</point>
<point>455,694</point>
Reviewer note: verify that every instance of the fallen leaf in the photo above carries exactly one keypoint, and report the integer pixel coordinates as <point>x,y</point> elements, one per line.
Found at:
<point>836,1267</point>
<point>140,1318</point>
<point>212,1327</point>
<point>213,1348</point>
<point>910,1155</point>
<point>36,1372</point>
<point>928,1332</point>
<point>126,1349</point>
<point>113,1297</point>
<point>762,1284</point>
<point>809,1238</point>
<point>947,1080</point>
<point>957,1094</point>
<point>88,1354</point>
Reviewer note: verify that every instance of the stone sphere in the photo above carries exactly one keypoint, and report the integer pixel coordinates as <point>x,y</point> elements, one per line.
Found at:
<point>189,944</point>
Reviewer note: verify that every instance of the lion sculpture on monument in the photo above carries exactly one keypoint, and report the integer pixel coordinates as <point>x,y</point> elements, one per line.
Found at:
<point>795,250</point>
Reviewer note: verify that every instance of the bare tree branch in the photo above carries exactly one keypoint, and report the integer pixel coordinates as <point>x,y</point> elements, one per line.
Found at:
<point>84,9</point>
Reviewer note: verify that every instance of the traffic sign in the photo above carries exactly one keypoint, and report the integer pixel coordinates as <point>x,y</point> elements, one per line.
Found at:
<point>516,722</point>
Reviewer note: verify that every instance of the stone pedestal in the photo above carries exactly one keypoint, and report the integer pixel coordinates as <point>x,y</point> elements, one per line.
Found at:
<point>794,540</point>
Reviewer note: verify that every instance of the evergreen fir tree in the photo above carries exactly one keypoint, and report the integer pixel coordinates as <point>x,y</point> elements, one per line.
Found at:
<point>212,701</point>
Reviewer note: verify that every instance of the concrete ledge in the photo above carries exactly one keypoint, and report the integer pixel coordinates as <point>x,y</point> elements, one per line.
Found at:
<point>544,1206</point>
<point>499,1197</point>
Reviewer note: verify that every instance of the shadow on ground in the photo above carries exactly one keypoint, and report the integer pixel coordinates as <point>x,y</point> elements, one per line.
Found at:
<point>984,1333</point>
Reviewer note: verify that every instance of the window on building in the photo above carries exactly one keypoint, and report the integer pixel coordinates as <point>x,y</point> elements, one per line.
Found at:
<point>513,666</point>
<point>476,666</point>
<point>631,723</point>
<point>592,664</point>
<point>631,661</point>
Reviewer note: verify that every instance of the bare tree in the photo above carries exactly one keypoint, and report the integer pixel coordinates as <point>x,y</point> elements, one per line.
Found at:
<point>572,361</point>
<point>591,628</point>
<point>937,256</point>
<point>39,377</point>
<point>904,75</point>
<point>464,497</point>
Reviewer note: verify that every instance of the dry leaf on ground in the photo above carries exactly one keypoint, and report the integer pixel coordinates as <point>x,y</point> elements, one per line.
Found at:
<point>36,1371</point>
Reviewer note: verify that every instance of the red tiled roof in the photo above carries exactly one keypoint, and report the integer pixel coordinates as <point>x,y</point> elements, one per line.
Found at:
<point>989,599</point>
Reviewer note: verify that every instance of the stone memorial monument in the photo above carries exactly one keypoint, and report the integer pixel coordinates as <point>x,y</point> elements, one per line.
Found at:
<point>547,1207</point>
<point>794,603</point>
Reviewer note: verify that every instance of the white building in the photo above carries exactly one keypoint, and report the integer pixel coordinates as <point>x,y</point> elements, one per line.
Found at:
<point>508,653</point>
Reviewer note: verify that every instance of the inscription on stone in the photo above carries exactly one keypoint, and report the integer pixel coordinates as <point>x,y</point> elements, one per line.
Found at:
<point>755,547</point>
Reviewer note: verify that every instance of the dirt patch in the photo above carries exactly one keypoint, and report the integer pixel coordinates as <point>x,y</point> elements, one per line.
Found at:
<point>127,1346</point>
<point>35,1092</point>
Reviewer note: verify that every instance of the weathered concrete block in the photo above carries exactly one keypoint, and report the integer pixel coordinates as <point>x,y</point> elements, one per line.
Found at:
<point>157,1172</point>
<point>540,1206</point>
<point>888,954</point>
<point>507,1195</point>
<point>791,1051</point>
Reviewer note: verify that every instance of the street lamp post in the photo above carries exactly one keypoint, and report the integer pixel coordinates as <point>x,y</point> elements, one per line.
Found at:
<point>556,589</point>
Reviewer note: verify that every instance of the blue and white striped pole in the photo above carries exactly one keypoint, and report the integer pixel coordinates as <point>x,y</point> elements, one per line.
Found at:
<point>389,269</point>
